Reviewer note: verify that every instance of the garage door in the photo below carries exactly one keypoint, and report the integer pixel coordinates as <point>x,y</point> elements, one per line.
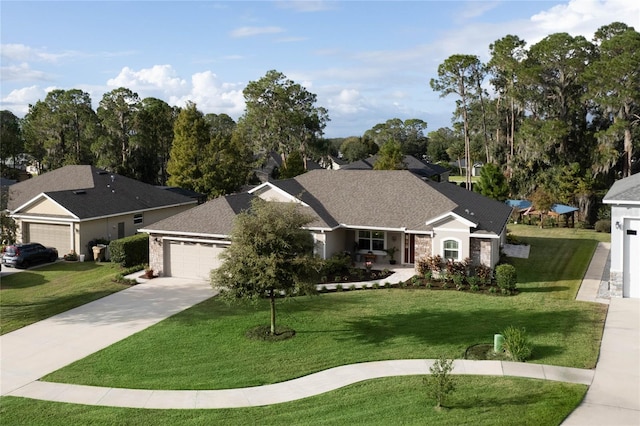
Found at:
<point>191,260</point>
<point>631,274</point>
<point>58,236</point>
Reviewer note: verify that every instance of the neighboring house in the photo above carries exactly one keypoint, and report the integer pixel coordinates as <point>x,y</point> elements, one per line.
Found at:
<point>273,163</point>
<point>416,166</point>
<point>624,275</point>
<point>358,211</point>
<point>68,207</point>
<point>462,166</point>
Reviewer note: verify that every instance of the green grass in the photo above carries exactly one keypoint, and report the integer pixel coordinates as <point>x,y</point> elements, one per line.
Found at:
<point>37,294</point>
<point>205,348</point>
<point>558,259</point>
<point>397,400</point>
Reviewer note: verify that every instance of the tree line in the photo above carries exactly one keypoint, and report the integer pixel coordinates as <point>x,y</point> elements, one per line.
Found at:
<point>559,117</point>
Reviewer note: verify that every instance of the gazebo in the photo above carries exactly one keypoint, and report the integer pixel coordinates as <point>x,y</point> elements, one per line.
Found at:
<point>525,208</point>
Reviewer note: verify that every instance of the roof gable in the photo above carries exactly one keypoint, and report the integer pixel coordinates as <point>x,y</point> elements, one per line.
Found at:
<point>624,191</point>
<point>88,192</point>
<point>44,205</point>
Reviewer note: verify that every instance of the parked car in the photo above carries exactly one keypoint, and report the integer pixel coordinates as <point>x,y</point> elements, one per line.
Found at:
<point>25,255</point>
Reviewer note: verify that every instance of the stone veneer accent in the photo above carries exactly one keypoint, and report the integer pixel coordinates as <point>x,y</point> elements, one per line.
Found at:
<point>156,254</point>
<point>616,283</point>
<point>423,248</point>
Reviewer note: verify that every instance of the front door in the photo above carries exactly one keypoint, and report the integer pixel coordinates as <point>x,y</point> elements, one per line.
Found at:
<point>409,248</point>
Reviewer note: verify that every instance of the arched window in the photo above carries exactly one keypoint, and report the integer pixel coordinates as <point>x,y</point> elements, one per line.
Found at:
<point>451,249</point>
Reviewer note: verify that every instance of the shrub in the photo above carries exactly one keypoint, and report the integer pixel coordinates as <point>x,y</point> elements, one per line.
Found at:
<point>516,344</point>
<point>440,383</point>
<point>71,256</point>
<point>435,263</point>
<point>428,275</point>
<point>387,284</point>
<point>339,287</point>
<point>338,264</point>
<point>484,273</point>
<point>506,277</point>
<point>423,266</point>
<point>352,287</point>
<point>129,251</point>
<point>603,225</point>
<point>376,285</point>
<point>474,287</point>
<point>458,280</point>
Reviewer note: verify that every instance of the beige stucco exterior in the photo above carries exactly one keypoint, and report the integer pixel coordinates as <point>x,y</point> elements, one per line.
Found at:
<point>81,232</point>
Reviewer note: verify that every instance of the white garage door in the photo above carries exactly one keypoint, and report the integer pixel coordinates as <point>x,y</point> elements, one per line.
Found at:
<point>191,260</point>
<point>49,235</point>
<point>631,274</point>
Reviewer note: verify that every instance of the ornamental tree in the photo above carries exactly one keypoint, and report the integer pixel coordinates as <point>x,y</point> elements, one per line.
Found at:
<point>270,255</point>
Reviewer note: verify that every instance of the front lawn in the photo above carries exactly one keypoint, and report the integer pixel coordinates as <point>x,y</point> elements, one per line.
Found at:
<point>478,400</point>
<point>36,294</point>
<point>205,347</point>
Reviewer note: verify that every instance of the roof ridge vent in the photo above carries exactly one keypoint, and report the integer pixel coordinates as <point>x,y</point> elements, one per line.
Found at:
<point>102,172</point>
<point>79,191</point>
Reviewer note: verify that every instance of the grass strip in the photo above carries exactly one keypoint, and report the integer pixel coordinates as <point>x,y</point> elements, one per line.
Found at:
<point>396,400</point>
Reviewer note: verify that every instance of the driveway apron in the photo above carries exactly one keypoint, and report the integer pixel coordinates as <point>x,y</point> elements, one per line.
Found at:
<point>46,346</point>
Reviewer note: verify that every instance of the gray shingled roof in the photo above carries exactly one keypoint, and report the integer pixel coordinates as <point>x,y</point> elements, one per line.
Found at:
<point>392,199</point>
<point>362,198</point>
<point>88,192</point>
<point>627,189</point>
<point>214,217</point>
<point>489,214</point>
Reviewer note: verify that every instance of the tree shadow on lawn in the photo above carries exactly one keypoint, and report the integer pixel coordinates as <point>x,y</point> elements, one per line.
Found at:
<point>462,328</point>
<point>541,289</point>
<point>35,276</point>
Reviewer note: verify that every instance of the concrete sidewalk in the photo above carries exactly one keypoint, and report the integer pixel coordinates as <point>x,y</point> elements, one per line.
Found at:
<point>38,349</point>
<point>614,396</point>
<point>303,387</point>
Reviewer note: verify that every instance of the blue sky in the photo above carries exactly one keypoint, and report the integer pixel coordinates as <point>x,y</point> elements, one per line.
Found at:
<point>367,61</point>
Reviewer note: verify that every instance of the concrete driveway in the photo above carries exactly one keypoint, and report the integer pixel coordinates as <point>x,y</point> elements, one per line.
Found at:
<point>46,346</point>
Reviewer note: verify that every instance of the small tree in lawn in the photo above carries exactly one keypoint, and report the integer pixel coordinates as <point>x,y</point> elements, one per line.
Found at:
<point>440,383</point>
<point>270,255</point>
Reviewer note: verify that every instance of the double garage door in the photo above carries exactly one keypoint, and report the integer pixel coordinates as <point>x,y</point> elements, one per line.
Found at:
<point>49,235</point>
<point>191,260</point>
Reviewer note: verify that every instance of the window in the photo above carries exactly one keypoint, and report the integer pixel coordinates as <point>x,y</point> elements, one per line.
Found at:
<point>137,219</point>
<point>451,249</point>
<point>371,240</point>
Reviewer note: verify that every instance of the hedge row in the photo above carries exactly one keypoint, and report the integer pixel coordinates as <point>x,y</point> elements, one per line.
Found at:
<point>130,251</point>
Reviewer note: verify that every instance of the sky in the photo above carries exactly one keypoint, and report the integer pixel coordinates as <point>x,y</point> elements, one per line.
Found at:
<point>367,61</point>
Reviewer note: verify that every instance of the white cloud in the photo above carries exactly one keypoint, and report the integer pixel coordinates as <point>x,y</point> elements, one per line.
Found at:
<point>584,17</point>
<point>21,53</point>
<point>158,77</point>
<point>22,72</point>
<point>18,100</point>
<point>254,31</point>
<point>213,96</point>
